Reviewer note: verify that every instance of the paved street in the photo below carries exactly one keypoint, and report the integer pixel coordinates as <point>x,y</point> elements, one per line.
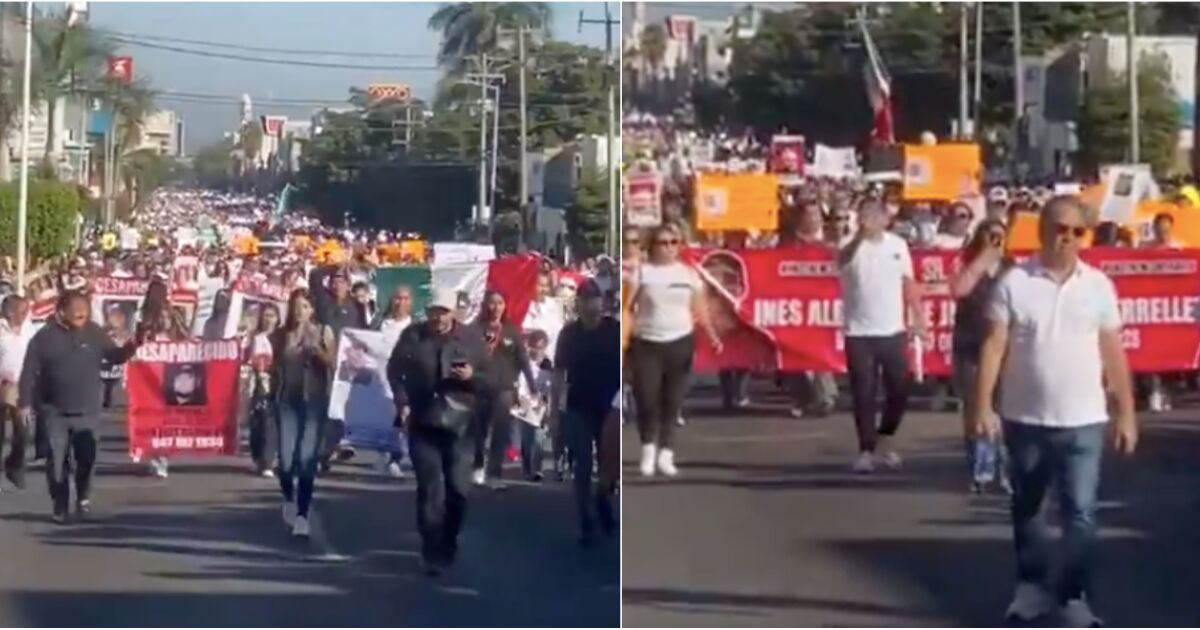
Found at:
<point>208,548</point>
<point>766,527</point>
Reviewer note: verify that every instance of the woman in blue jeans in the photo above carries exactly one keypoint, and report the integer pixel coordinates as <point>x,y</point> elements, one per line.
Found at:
<point>304,354</point>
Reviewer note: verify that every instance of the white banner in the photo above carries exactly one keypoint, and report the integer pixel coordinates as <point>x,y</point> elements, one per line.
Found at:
<point>467,280</point>
<point>835,162</point>
<point>455,253</point>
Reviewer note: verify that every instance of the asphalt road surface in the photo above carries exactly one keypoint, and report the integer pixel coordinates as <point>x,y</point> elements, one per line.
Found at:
<point>208,548</point>
<point>766,526</point>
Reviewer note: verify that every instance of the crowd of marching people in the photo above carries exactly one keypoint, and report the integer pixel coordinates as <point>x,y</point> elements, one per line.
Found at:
<point>1039,399</point>
<point>473,396</point>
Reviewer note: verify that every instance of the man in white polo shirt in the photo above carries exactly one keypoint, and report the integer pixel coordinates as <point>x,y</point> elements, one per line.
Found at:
<point>1053,342</point>
<point>877,286</point>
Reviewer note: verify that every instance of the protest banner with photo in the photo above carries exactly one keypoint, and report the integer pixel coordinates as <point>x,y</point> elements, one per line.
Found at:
<point>418,279</point>
<point>736,201</point>
<point>787,154</point>
<point>361,395</point>
<point>1125,186</point>
<point>642,199</point>
<point>941,172</point>
<point>246,300</point>
<point>183,398</point>
<point>116,302</point>
<point>781,309</point>
<point>834,162</point>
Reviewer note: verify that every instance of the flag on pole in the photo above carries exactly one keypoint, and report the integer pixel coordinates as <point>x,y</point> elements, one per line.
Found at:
<point>879,89</point>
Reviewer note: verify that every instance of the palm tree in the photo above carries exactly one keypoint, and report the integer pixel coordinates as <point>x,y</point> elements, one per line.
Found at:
<point>470,28</point>
<point>69,60</point>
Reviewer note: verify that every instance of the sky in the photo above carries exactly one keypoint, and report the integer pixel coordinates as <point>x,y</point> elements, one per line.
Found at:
<point>391,28</point>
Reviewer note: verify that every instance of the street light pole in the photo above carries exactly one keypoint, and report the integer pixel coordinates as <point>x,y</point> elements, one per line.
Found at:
<point>495,144</point>
<point>481,213</point>
<point>1131,63</point>
<point>23,200</point>
<point>523,176</point>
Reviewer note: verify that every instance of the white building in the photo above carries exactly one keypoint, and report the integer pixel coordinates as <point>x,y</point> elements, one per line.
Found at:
<point>163,132</point>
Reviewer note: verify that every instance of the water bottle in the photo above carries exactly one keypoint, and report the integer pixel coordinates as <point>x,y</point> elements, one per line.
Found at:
<point>985,461</point>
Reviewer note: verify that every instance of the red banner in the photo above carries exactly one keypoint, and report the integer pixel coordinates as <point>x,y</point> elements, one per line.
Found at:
<point>183,399</point>
<point>781,309</point>
<point>120,69</point>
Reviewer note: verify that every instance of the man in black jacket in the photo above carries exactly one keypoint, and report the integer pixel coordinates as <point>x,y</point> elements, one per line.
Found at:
<point>60,382</point>
<point>435,373</point>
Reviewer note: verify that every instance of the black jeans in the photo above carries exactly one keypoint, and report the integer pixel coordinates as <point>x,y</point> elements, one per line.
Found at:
<point>735,387</point>
<point>660,380</point>
<point>71,438</point>
<point>585,430</point>
<point>442,463</point>
<point>263,441</point>
<point>495,420</point>
<point>15,462</point>
<point>866,359</point>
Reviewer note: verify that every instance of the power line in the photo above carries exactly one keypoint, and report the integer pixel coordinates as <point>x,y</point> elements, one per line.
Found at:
<point>281,62</point>
<point>282,51</point>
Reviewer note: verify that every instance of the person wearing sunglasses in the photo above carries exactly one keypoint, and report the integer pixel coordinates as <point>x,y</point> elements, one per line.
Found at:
<point>1053,345</point>
<point>984,261</point>
<point>667,300</point>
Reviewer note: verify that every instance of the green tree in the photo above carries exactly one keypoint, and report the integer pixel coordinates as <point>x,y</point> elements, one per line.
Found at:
<point>52,215</point>
<point>470,28</point>
<point>1104,120</point>
<point>212,166</point>
<point>587,217</point>
<point>69,59</point>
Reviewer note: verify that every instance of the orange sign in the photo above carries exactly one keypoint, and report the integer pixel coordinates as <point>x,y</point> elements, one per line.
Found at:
<point>1186,231</point>
<point>941,172</point>
<point>739,201</point>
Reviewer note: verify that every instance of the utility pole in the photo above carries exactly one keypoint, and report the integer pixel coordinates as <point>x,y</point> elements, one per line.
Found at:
<point>495,144</point>
<point>612,162</point>
<point>978,107</point>
<point>523,176</point>
<point>483,79</point>
<point>1018,85</point>
<point>1131,63</point>
<point>963,79</point>
<point>26,114</point>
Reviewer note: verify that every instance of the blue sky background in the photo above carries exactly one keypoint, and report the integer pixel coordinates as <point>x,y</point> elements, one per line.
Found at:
<point>341,26</point>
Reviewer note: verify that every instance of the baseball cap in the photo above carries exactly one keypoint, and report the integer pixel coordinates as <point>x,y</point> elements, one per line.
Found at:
<point>589,289</point>
<point>443,298</point>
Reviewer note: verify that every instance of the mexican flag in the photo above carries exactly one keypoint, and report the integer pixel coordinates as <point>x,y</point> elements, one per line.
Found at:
<point>515,277</point>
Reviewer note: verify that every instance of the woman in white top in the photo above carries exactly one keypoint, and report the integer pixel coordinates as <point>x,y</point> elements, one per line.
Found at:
<point>667,302</point>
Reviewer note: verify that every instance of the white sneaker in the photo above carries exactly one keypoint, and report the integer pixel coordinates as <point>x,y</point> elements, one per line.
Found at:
<point>289,514</point>
<point>158,466</point>
<point>394,471</point>
<point>666,462</point>
<point>1030,602</point>
<point>1156,402</point>
<point>892,460</point>
<point>479,477</point>
<point>268,474</point>
<point>300,527</point>
<point>864,464</point>
<point>649,452</point>
<point>680,421</point>
<point>1077,614</point>
<point>797,412</point>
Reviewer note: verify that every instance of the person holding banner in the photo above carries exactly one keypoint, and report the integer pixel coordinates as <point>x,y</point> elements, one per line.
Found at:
<point>667,300</point>
<point>337,309</point>
<point>878,287</point>
<point>812,392</point>
<point>397,319</point>
<point>304,354</point>
<point>436,376</point>
<point>60,382</point>
<point>1053,344</point>
<point>16,331</point>
<point>159,322</point>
